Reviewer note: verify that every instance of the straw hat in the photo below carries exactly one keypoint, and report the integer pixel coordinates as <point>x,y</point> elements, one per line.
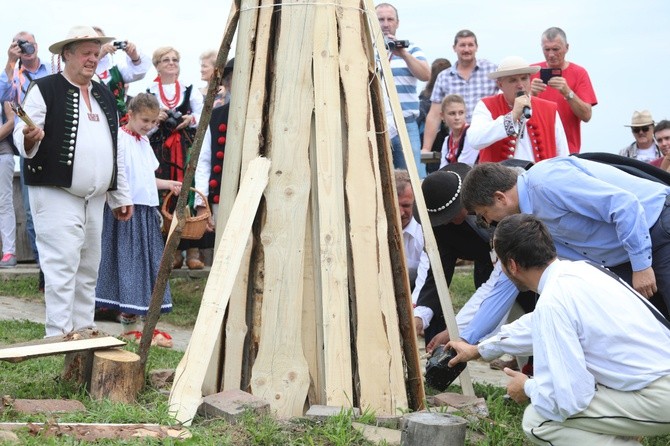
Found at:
<point>512,65</point>
<point>442,192</point>
<point>640,118</point>
<point>79,34</point>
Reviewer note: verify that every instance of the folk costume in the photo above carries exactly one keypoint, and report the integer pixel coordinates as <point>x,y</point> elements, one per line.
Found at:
<point>116,76</point>
<point>68,174</point>
<point>132,250</point>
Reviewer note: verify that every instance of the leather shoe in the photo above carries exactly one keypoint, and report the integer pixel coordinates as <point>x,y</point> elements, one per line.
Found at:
<point>194,263</point>
<point>178,261</point>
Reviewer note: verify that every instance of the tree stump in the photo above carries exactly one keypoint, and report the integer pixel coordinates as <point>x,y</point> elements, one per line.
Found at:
<point>77,367</point>
<point>422,428</point>
<point>116,375</point>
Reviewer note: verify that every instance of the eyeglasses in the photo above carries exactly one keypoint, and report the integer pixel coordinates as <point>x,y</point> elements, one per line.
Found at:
<point>644,129</point>
<point>168,60</point>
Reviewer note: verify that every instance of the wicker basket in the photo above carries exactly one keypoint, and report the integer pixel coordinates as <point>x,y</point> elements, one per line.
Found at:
<point>195,227</point>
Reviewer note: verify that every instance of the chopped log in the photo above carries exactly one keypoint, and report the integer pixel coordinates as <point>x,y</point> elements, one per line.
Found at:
<point>280,373</point>
<point>187,389</point>
<point>116,375</point>
<point>77,367</point>
<point>47,347</point>
<point>422,428</point>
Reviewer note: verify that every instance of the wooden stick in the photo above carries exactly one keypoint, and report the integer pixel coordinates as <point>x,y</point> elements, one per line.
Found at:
<point>18,354</point>
<point>429,237</point>
<point>280,373</point>
<point>165,267</point>
<point>186,391</point>
<point>330,238</point>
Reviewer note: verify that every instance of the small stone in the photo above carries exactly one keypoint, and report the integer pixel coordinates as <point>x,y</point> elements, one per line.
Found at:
<point>231,405</point>
<point>465,403</point>
<point>47,406</point>
<point>8,437</point>
<point>161,378</point>
<point>321,413</point>
<point>378,434</point>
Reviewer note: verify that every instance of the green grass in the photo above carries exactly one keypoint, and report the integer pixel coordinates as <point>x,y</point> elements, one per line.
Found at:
<point>40,378</point>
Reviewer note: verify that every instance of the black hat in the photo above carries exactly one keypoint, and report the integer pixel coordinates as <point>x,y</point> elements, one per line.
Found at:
<point>442,192</point>
<point>229,67</point>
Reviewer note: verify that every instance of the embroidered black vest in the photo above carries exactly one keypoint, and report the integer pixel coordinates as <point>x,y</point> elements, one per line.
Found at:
<point>52,164</point>
<point>218,127</point>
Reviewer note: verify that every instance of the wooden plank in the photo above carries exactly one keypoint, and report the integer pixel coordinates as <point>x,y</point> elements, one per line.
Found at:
<point>236,325</point>
<point>280,373</point>
<point>23,352</point>
<point>98,431</point>
<point>330,217</point>
<point>429,237</point>
<point>414,378</point>
<point>186,391</point>
<point>376,360</point>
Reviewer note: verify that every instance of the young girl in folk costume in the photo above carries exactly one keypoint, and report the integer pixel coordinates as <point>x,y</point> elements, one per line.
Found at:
<point>180,111</point>
<point>131,251</point>
<point>456,148</point>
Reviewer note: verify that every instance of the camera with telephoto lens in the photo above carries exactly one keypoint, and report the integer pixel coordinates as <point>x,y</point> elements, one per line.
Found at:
<point>120,44</point>
<point>173,119</point>
<point>26,47</point>
<point>438,373</point>
<point>394,44</point>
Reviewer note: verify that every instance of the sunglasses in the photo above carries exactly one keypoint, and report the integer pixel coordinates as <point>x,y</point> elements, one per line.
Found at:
<point>644,129</point>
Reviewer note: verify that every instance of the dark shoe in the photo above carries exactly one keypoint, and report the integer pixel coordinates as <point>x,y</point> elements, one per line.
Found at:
<point>8,261</point>
<point>40,285</point>
<point>499,364</point>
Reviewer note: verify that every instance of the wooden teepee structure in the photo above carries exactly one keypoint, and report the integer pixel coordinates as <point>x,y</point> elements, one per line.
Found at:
<point>308,300</point>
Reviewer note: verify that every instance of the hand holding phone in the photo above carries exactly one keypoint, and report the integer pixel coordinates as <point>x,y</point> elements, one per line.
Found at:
<point>548,73</point>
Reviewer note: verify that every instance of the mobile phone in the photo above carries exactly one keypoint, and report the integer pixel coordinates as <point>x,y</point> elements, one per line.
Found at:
<point>548,73</point>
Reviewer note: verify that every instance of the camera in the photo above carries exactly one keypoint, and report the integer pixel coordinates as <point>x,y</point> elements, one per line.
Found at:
<point>26,47</point>
<point>393,44</point>
<point>120,44</point>
<point>173,119</point>
<point>438,373</point>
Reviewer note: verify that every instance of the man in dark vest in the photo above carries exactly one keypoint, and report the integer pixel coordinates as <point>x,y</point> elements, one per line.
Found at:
<point>68,141</point>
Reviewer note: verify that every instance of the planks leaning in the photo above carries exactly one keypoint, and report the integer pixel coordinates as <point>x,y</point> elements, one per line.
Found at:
<point>310,304</point>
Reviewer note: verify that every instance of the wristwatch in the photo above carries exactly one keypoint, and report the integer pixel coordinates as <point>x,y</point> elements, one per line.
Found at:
<point>570,95</point>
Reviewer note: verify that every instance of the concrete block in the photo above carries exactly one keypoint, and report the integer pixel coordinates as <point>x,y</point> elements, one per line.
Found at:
<point>388,421</point>
<point>321,413</point>
<point>378,434</point>
<point>231,405</point>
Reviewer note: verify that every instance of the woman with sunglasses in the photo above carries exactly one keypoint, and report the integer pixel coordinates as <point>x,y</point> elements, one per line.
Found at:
<point>180,108</point>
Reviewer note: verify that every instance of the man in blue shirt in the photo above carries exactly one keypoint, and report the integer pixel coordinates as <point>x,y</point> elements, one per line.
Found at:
<point>593,211</point>
<point>23,66</point>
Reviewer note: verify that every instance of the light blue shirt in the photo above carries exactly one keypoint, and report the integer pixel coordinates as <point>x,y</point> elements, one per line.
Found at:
<point>593,211</point>
<point>19,82</point>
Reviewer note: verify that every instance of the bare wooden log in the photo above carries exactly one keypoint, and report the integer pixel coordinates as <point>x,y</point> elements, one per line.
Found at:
<point>329,222</point>
<point>116,376</point>
<point>280,373</point>
<point>422,428</point>
<point>47,347</point>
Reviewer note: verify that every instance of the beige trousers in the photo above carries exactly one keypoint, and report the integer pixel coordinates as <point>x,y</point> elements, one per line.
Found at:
<point>613,418</point>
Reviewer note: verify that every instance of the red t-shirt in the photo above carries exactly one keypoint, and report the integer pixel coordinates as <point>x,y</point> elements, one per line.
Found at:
<point>578,80</point>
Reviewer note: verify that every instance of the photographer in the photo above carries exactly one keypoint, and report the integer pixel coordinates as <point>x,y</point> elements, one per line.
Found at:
<point>408,64</point>
<point>178,118</point>
<point>23,67</point>
<point>117,76</point>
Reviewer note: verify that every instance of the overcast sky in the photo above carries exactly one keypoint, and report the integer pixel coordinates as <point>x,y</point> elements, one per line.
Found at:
<point>624,45</point>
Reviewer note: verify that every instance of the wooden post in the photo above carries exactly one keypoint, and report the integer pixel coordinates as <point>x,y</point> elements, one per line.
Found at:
<point>116,376</point>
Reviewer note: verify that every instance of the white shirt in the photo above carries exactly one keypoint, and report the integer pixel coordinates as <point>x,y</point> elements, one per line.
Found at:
<point>485,130</point>
<point>129,71</point>
<point>93,159</point>
<point>203,168</point>
<point>141,164</point>
<point>587,328</point>
<point>412,237</point>
<point>468,155</point>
